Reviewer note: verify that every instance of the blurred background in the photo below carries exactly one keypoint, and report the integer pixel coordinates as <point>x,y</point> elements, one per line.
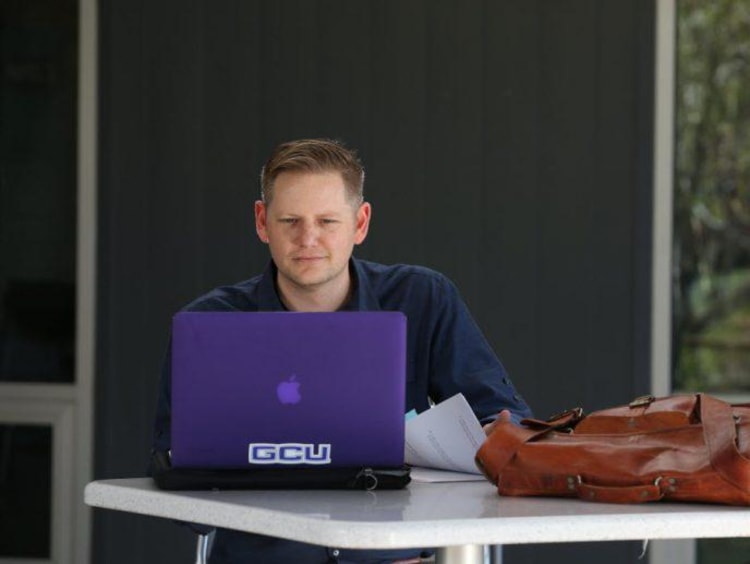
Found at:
<point>579,168</point>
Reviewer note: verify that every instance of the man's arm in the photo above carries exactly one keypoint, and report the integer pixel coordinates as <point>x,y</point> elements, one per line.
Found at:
<point>162,436</point>
<point>463,361</point>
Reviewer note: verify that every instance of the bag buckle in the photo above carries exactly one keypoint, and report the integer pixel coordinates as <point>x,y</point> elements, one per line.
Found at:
<point>574,413</point>
<point>642,401</point>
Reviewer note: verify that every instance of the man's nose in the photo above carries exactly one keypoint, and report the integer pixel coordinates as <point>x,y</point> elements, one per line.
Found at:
<point>308,234</point>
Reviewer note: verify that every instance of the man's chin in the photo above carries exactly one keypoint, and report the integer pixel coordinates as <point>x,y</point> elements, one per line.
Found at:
<point>308,280</point>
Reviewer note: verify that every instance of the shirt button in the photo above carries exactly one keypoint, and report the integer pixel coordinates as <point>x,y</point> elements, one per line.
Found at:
<point>335,552</point>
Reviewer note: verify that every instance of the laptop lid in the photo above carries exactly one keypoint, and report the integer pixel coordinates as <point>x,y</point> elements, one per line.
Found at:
<point>252,389</point>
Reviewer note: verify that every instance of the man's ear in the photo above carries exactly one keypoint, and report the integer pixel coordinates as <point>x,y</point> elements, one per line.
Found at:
<point>364,213</point>
<point>260,221</point>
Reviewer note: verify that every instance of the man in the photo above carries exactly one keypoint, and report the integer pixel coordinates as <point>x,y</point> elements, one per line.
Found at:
<point>311,215</point>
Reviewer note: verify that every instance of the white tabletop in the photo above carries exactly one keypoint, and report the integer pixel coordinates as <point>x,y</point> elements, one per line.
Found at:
<point>436,514</point>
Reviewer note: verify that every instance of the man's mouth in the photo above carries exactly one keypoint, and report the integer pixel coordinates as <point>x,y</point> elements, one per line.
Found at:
<point>307,259</point>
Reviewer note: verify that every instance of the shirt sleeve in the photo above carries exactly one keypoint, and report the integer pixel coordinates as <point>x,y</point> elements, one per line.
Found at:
<point>463,361</point>
<point>162,437</point>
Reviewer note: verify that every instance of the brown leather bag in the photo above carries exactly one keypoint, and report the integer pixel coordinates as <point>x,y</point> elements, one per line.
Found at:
<point>681,448</point>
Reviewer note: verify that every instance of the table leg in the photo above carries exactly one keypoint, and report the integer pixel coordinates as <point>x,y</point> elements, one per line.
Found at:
<point>464,554</point>
<point>201,551</point>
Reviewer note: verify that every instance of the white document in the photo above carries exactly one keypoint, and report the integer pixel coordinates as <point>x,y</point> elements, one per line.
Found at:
<point>421,474</point>
<point>445,437</point>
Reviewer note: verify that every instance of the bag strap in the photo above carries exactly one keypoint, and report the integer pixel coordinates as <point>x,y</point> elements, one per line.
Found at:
<point>719,431</point>
<point>503,443</point>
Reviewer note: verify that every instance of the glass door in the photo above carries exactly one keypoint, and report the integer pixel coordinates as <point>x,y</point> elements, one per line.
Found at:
<point>45,319</point>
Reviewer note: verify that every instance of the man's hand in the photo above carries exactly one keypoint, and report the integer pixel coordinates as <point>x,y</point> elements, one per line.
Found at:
<point>504,415</point>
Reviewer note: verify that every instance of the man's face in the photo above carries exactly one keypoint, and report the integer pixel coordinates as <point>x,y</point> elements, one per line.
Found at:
<point>311,229</point>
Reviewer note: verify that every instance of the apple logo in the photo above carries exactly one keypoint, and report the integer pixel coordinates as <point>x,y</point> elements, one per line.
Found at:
<point>288,391</point>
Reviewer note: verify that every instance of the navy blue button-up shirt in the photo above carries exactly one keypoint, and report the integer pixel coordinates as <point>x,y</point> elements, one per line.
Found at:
<point>446,351</point>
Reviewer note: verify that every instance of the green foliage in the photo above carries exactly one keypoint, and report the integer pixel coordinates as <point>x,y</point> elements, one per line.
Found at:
<point>711,290</point>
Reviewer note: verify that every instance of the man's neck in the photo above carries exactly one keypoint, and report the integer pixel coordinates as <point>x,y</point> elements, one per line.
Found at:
<point>327,298</point>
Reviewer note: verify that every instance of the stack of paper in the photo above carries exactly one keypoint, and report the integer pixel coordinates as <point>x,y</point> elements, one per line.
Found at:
<point>442,441</point>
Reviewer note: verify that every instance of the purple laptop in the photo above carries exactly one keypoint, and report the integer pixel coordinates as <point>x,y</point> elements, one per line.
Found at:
<point>288,389</point>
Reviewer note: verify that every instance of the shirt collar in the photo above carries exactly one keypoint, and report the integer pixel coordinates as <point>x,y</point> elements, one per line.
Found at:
<point>268,297</point>
<point>362,299</point>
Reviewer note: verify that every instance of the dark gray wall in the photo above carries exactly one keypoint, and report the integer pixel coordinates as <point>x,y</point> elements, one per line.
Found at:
<point>507,143</point>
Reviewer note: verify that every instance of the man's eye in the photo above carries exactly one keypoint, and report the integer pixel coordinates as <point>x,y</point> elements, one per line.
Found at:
<point>328,221</point>
<point>289,220</point>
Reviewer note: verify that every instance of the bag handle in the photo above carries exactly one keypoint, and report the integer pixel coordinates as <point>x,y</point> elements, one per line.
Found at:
<point>719,432</point>
<point>639,493</point>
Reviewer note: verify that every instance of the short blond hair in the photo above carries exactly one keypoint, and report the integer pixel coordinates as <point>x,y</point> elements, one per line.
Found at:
<point>314,155</point>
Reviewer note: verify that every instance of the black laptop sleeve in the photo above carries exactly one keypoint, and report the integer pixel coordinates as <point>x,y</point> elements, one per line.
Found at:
<point>307,478</point>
